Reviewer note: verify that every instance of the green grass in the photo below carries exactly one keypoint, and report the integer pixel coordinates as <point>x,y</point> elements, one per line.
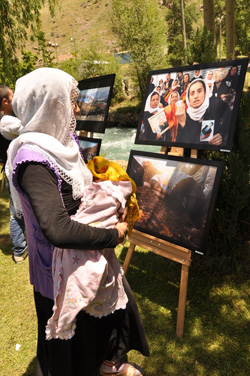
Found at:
<point>217,321</point>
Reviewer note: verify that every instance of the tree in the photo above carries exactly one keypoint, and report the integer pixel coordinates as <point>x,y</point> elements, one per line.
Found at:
<point>184,37</point>
<point>209,16</point>
<point>174,27</point>
<point>202,49</point>
<point>95,61</point>
<point>230,29</point>
<point>242,22</point>
<point>141,31</point>
<point>19,19</point>
<point>229,230</point>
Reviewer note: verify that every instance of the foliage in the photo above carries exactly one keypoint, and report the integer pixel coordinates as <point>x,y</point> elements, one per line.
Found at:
<point>20,19</point>
<point>202,50</point>
<point>242,22</point>
<point>174,27</point>
<point>20,67</point>
<point>94,61</point>
<point>47,55</point>
<point>140,30</point>
<point>231,220</point>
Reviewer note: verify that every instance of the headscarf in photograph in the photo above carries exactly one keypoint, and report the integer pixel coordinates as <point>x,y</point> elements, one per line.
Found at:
<point>170,95</point>
<point>210,81</point>
<point>148,107</point>
<point>196,114</point>
<point>175,86</point>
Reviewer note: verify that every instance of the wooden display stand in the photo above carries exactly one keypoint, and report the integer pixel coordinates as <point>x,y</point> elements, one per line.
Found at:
<point>3,178</point>
<point>84,133</point>
<point>166,249</point>
<point>172,252</point>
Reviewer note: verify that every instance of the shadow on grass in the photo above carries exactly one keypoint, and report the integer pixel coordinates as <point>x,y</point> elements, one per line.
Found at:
<point>5,245</point>
<point>217,319</point>
<point>31,370</point>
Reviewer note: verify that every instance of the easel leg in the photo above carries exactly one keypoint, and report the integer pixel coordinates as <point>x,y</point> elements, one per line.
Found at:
<point>182,301</point>
<point>2,185</point>
<point>128,258</point>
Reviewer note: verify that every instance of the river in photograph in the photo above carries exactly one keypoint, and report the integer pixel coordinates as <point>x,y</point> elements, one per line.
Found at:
<point>118,141</point>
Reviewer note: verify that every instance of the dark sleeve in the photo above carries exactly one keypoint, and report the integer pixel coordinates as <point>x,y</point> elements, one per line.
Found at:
<point>40,185</point>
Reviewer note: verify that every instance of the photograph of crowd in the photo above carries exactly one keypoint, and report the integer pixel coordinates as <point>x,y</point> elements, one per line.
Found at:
<point>94,100</point>
<point>176,196</point>
<point>194,106</point>
<point>89,147</point>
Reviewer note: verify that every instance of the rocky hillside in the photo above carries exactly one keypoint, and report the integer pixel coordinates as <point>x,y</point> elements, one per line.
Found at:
<point>74,25</point>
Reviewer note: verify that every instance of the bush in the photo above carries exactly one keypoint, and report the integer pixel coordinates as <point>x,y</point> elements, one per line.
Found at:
<point>230,224</point>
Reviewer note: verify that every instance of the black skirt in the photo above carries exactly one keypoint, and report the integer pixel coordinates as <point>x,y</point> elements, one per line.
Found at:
<point>95,339</point>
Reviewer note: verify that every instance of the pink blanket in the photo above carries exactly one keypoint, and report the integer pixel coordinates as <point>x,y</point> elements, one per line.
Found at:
<point>89,280</point>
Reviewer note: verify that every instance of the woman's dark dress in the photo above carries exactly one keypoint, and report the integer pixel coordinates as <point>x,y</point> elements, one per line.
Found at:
<point>95,340</point>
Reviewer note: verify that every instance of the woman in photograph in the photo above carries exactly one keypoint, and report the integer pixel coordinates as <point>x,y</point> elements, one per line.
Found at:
<point>198,110</point>
<point>210,82</point>
<point>186,82</point>
<point>180,81</point>
<point>152,107</point>
<point>49,178</point>
<point>175,114</point>
<point>174,97</point>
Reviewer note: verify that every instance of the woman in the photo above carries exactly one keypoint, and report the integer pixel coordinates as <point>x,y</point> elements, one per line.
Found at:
<point>198,110</point>
<point>175,87</point>
<point>186,82</point>
<point>175,114</point>
<point>50,177</point>
<point>152,107</point>
<point>210,82</point>
<point>174,97</point>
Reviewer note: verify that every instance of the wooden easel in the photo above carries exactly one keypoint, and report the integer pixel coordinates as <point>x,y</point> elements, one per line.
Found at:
<point>84,133</point>
<point>166,249</point>
<point>3,178</point>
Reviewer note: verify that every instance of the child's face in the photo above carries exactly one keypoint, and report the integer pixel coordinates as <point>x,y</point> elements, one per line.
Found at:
<point>156,185</point>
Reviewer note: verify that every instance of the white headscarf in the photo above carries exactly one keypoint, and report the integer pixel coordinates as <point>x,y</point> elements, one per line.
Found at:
<point>174,87</point>
<point>44,101</point>
<point>210,81</point>
<point>148,107</point>
<point>169,98</point>
<point>197,113</point>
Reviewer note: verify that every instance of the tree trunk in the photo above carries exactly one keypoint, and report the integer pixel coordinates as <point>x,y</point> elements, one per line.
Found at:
<point>183,31</point>
<point>230,29</point>
<point>208,16</point>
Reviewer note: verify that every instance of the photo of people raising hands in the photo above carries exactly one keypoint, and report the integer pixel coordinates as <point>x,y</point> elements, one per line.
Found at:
<point>194,106</point>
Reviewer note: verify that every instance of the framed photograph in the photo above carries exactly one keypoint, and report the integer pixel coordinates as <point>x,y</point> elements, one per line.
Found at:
<point>181,103</point>
<point>94,101</point>
<point>89,147</point>
<point>176,196</point>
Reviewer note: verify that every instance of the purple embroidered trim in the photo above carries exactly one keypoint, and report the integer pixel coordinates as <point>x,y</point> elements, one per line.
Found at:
<point>27,156</point>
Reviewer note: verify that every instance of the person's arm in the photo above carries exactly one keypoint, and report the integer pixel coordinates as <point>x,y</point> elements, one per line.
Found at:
<point>40,185</point>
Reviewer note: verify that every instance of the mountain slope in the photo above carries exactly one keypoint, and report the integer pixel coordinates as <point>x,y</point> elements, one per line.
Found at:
<point>74,25</point>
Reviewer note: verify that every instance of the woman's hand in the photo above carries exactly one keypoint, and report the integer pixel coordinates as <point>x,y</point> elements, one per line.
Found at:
<point>180,113</point>
<point>216,139</point>
<point>122,228</point>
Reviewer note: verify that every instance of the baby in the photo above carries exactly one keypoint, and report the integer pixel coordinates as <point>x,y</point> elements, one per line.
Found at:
<point>91,280</point>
